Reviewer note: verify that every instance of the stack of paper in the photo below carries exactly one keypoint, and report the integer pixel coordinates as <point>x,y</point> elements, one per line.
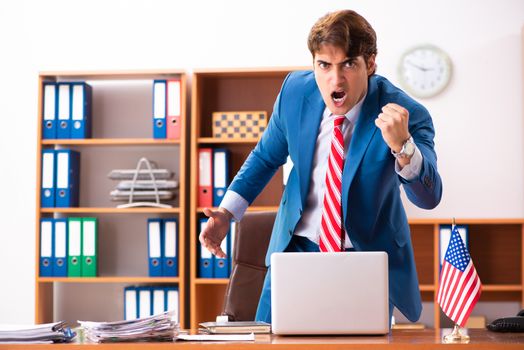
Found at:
<point>42,333</point>
<point>142,174</point>
<point>140,184</point>
<point>144,190</point>
<point>161,327</point>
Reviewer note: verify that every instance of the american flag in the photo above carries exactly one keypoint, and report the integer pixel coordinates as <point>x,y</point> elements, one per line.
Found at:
<point>459,287</point>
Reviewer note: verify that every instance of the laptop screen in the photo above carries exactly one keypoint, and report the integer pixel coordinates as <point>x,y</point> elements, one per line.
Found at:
<point>329,293</point>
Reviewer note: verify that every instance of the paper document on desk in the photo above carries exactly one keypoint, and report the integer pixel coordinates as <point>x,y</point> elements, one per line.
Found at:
<point>236,327</point>
<point>161,327</point>
<point>217,337</point>
<point>40,333</point>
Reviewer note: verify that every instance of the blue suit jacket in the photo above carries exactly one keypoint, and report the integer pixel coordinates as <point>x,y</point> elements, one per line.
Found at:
<point>374,216</point>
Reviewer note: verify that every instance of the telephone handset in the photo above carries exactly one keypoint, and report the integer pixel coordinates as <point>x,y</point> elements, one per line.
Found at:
<point>508,324</point>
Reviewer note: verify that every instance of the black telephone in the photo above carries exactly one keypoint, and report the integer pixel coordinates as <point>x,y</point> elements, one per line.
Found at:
<point>508,324</point>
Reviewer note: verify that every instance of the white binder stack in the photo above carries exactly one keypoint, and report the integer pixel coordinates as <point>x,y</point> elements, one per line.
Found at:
<point>56,332</point>
<point>143,187</point>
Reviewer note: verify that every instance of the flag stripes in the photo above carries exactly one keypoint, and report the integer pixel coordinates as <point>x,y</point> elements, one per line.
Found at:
<point>459,285</point>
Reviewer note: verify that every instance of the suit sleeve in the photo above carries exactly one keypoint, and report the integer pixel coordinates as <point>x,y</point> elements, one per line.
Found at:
<point>425,191</point>
<point>269,154</point>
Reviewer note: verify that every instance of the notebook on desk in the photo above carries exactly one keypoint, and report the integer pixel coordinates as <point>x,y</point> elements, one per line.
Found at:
<point>238,327</point>
<point>329,293</point>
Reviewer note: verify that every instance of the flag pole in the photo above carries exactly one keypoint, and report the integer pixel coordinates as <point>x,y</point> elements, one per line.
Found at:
<point>455,337</point>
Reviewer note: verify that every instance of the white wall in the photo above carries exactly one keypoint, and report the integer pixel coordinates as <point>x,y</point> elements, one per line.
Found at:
<point>478,119</point>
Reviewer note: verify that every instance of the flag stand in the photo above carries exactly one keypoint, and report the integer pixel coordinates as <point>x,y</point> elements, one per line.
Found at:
<point>458,299</point>
<point>456,337</point>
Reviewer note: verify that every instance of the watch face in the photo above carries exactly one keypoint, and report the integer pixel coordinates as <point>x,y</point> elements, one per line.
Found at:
<point>409,148</point>
<point>424,71</point>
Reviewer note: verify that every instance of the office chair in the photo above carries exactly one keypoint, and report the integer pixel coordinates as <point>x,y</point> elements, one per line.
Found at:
<point>249,269</point>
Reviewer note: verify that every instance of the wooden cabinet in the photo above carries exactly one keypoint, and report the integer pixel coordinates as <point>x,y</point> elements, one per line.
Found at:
<point>122,133</point>
<point>220,91</point>
<point>496,247</point>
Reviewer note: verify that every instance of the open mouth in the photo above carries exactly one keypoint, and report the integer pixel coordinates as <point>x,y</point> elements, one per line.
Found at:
<point>338,97</point>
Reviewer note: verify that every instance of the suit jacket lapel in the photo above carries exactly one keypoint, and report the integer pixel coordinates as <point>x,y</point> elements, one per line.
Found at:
<point>362,135</point>
<point>310,116</point>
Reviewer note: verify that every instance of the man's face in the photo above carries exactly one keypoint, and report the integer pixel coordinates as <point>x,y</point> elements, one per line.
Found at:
<point>342,80</point>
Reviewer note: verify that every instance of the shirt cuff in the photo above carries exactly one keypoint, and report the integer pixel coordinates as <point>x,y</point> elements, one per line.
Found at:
<point>235,204</point>
<point>412,170</point>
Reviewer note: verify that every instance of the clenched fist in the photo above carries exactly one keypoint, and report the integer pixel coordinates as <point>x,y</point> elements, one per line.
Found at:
<point>393,123</point>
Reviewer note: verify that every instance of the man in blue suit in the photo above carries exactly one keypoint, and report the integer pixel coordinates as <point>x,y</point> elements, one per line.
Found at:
<point>388,142</point>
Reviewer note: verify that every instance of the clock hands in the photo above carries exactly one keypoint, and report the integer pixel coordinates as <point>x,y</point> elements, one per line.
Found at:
<point>424,69</point>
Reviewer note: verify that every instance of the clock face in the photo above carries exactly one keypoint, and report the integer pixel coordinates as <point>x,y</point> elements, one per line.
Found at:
<point>425,71</point>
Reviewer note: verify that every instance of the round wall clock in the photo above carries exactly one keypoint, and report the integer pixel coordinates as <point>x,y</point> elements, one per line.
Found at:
<point>424,70</point>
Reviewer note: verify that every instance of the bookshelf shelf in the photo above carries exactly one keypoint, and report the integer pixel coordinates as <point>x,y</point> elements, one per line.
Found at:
<point>110,142</point>
<point>208,140</point>
<point>220,281</point>
<point>427,288</point>
<point>122,279</point>
<point>111,210</point>
<point>502,288</point>
<point>119,76</point>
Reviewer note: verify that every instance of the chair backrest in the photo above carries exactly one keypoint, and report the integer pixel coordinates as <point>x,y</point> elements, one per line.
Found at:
<point>249,269</point>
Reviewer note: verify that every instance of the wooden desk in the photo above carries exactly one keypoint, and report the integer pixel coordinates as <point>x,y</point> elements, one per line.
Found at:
<point>397,339</point>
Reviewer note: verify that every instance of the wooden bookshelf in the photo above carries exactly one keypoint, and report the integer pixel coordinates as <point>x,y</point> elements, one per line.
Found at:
<point>225,90</point>
<point>495,246</point>
<point>121,134</point>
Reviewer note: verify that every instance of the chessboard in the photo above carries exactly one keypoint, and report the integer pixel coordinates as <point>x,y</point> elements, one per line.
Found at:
<point>249,124</point>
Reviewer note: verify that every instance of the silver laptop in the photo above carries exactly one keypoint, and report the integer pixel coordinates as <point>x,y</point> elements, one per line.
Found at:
<point>329,293</point>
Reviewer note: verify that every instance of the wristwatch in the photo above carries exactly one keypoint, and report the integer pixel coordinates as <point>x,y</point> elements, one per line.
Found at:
<point>407,150</point>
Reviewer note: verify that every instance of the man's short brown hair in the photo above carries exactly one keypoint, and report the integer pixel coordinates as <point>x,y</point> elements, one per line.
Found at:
<point>347,30</point>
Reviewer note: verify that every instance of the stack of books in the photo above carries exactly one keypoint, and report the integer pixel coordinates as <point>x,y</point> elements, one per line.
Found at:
<point>41,333</point>
<point>161,327</point>
<point>235,327</point>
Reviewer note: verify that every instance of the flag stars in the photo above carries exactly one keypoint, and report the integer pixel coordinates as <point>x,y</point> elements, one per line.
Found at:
<point>457,255</point>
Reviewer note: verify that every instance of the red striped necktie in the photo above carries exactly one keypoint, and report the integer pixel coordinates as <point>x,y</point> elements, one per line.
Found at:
<point>331,230</point>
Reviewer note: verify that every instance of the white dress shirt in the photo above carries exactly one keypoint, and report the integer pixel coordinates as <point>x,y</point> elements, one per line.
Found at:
<point>309,224</point>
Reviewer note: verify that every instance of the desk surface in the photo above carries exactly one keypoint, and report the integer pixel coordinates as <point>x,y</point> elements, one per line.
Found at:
<point>397,339</point>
